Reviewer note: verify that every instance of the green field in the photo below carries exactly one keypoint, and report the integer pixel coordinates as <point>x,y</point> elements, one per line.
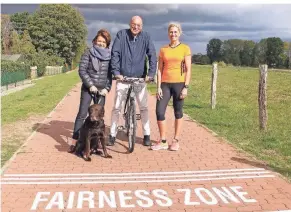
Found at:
<point>37,100</point>
<point>236,114</point>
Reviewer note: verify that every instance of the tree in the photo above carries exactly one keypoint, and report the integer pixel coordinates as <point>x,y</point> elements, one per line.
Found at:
<point>283,61</point>
<point>287,51</point>
<point>214,50</point>
<point>246,55</point>
<point>196,58</point>
<point>80,50</point>
<point>6,28</point>
<point>26,45</point>
<point>20,21</point>
<point>284,57</point>
<point>231,50</point>
<point>58,29</point>
<point>260,53</point>
<point>286,46</point>
<point>205,60</point>
<point>274,50</point>
<point>15,43</point>
<point>200,59</point>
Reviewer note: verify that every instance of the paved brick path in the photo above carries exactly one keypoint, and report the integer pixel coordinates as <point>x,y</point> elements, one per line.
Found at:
<point>205,175</point>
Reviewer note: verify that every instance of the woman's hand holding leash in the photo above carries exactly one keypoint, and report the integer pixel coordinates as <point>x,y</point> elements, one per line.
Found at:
<point>93,89</point>
<point>103,92</point>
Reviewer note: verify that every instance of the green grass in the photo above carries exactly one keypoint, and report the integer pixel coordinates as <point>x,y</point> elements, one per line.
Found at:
<point>236,114</point>
<point>38,99</point>
<point>8,148</point>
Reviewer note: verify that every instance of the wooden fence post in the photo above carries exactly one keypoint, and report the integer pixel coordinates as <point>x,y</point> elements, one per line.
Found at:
<point>262,98</point>
<point>213,85</point>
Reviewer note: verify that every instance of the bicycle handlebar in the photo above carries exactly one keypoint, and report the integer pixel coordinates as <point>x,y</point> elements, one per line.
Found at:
<point>132,79</point>
<point>135,79</point>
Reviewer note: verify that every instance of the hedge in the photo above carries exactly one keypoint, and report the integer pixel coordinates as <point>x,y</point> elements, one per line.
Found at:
<point>12,72</point>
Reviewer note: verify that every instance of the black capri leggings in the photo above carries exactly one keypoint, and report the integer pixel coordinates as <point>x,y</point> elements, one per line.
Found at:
<point>170,89</point>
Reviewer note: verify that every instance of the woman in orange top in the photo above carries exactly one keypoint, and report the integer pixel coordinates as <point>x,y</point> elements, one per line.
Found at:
<point>174,75</point>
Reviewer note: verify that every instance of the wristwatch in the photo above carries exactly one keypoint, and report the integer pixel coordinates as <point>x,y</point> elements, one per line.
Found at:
<point>186,86</point>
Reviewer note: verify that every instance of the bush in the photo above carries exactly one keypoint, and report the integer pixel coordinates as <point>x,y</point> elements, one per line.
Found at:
<point>74,65</point>
<point>66,68</point>
<point>204,60</point>
<point>12,72</point>
<point>222,64</point>
<point>41,59</point>
<point>13,66</point>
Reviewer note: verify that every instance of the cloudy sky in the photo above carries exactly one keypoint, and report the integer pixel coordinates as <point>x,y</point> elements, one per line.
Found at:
<point>200,22</point>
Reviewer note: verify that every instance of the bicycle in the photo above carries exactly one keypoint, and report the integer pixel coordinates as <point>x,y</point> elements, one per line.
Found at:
<point>130,116</point>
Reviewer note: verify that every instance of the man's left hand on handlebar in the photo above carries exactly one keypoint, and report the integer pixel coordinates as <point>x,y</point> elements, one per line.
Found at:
<point>119,77</point>
<point>149,79</point>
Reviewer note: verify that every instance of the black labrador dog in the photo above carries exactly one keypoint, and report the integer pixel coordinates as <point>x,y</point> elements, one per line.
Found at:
<point>92,134</point>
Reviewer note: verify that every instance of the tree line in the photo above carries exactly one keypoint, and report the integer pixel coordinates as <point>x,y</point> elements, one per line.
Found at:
<point>54,32</point>
<point>271,51</point>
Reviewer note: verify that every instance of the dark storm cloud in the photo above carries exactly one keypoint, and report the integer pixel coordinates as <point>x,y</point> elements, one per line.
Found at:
<point>14,8</point>
<point>200,22</point>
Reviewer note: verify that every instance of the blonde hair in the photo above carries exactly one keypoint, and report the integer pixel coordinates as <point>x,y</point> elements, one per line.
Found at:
<point>175,24</point>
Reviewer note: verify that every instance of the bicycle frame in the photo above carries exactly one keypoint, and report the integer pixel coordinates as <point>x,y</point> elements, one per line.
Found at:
<point>130,96</point>
<point>129,114</point>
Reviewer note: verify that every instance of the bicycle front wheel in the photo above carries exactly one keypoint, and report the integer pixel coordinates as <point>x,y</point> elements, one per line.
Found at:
<point>131,126</point>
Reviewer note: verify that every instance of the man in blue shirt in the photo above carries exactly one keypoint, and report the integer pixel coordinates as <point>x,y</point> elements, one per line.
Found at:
<point>129,51</point>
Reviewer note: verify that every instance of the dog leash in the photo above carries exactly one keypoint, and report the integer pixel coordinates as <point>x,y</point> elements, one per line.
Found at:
<point>96,99</point>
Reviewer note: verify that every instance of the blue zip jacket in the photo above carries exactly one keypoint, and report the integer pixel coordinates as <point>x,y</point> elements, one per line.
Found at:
<point>128,54</point>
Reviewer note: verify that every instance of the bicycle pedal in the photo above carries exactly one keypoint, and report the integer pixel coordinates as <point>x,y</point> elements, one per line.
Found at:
<point>138,116</point>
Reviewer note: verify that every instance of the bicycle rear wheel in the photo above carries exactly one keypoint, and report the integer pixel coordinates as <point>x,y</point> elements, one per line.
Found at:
<point>131,130</point>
